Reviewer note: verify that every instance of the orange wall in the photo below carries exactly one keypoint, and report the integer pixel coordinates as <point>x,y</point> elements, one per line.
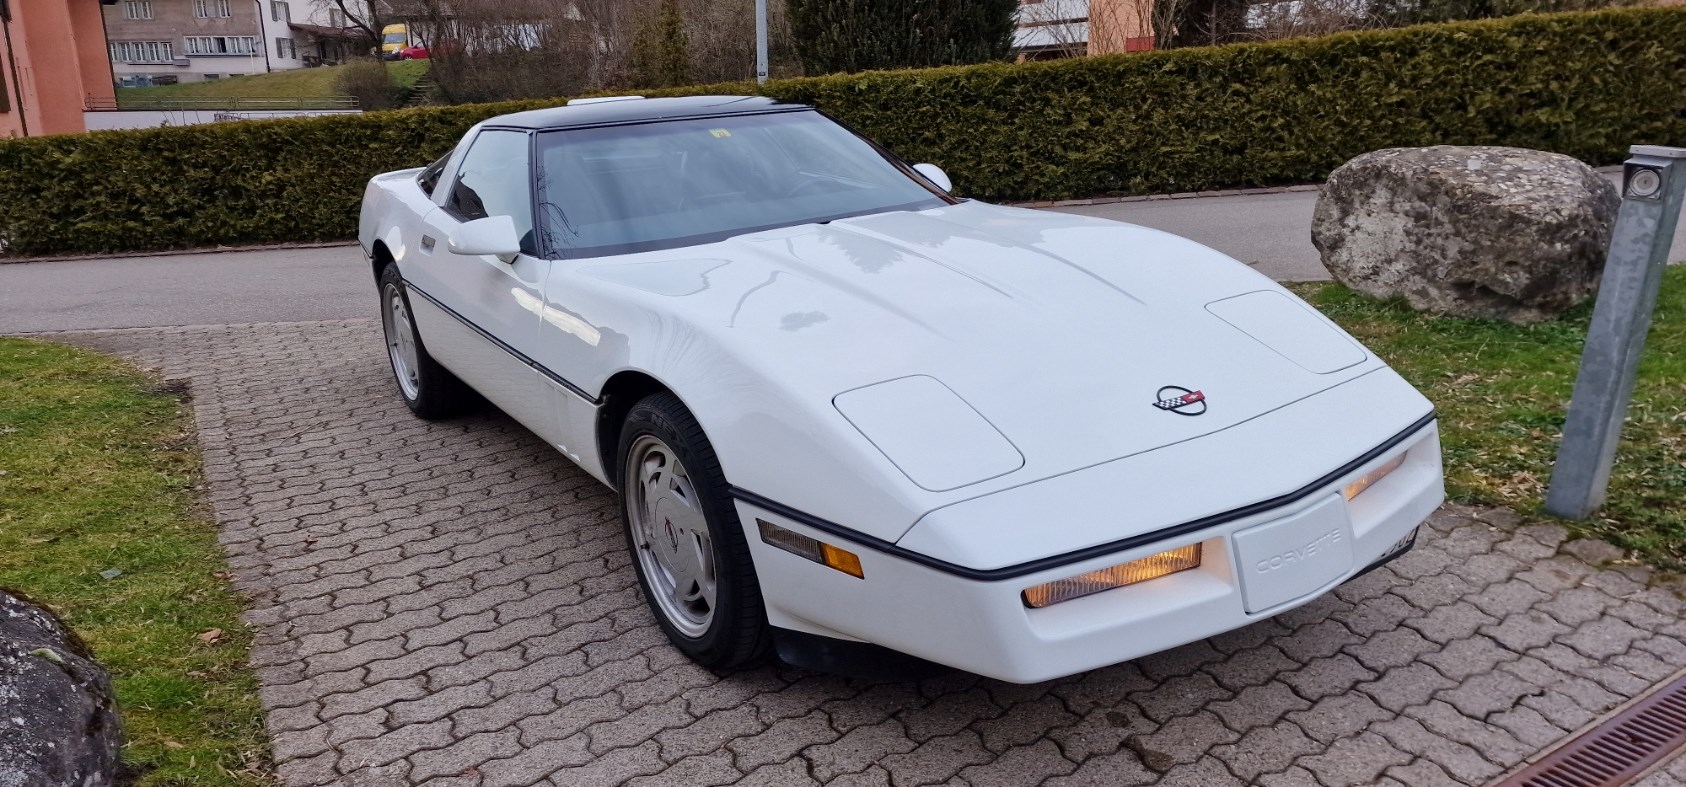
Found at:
<point>11,123</point>
<point>93,56</point>
<point>58,48</point>
<point>1120,26</point>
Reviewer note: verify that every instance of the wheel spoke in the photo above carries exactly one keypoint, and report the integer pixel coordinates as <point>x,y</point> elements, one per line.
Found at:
<point>680,485</point>
<point>704,592</point>
<point>650,472</point>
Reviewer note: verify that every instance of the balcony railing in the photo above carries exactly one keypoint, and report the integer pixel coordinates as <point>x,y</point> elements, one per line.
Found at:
<point>101,104</point>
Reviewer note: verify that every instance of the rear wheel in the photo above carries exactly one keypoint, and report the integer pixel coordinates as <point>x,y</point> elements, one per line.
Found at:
<point>428,389</point>
<point>688,546</point>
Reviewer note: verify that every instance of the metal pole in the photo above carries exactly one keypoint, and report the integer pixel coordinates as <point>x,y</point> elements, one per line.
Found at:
<point>760,42</point>
<point>1653,188</point>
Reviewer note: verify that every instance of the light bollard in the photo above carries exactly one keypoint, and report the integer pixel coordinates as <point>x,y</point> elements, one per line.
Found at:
<point>1653,186</point>
<point>761,42</point>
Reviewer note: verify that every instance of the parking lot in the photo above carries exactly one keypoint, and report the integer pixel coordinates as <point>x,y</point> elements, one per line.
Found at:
<point>452,604</point>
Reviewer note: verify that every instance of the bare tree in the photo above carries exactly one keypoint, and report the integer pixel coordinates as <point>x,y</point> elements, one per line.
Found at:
<point>1130,25</point>
<point>1164,15</point>
<point>365,15</point>
<point>1057,28</point>
<point>1296,18</point>
<point>1070,28</point>
<point>488,50</point>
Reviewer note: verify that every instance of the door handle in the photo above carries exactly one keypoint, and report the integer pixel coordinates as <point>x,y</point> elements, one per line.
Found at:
<point>427,243</point>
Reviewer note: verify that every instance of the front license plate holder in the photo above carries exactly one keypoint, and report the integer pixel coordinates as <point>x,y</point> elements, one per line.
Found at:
<point>1290,558</point>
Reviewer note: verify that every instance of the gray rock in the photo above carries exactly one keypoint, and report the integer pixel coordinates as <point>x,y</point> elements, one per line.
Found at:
<point>1490,232</point>
<point>58,719</point>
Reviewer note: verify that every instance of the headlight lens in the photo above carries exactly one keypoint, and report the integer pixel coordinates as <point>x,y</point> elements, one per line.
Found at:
<point>1357,487</point>
<point>1136,571</point>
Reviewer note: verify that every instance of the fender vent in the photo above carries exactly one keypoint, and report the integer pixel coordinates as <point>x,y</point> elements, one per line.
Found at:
<point>1646,733</point>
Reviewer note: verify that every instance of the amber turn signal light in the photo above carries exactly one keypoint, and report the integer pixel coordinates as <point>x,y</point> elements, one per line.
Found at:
<point>811,548</point>
<point>1357,487</point>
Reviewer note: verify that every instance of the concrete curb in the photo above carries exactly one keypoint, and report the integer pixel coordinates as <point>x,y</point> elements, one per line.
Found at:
<point>1303,187</point>
<point>167,330</point>
<point>176,252</point>
<point>1068,203</point>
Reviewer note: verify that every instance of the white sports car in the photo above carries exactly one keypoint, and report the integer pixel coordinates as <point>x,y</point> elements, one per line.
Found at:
<point>845,407</point>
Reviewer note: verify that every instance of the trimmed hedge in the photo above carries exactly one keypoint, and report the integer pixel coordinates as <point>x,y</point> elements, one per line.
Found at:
<point>1587,85</point>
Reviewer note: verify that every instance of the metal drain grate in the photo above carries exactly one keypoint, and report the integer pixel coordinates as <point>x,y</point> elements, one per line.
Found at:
<point>1612,753</point>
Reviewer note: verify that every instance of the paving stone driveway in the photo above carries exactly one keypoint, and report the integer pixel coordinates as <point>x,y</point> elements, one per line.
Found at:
<point>452,604</point>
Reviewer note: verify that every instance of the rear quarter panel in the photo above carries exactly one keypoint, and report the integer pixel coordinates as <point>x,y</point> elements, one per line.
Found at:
<point>392,201</point>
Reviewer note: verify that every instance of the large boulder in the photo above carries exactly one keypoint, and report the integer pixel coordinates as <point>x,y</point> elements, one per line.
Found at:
<point>1499,233</point>
<point>58,720</point>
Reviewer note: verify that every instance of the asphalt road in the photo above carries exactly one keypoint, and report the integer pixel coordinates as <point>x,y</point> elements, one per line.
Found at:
<point>213,288</point>
<point>1271,232</point>
<point>1268,231</point>
<point>290,285</point>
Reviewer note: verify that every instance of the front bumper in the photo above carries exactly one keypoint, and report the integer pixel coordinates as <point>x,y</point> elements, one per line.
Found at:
<point>982,625</point>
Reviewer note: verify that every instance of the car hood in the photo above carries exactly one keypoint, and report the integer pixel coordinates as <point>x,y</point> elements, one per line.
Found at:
<point>1061,332</point>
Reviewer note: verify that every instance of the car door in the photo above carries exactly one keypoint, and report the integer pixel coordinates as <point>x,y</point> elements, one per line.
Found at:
<point>482,312</point>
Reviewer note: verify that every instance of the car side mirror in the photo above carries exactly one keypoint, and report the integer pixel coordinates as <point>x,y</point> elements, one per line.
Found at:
<point>936,175</point>
<point>494,235</point>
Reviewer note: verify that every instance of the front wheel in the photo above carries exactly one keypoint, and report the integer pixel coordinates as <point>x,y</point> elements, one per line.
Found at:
<point>428,389</point>
<point>687,543</point>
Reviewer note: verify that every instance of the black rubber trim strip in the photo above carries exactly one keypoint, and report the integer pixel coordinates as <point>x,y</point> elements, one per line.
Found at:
<point>1388,558</point>
<point>537,367</point>
<point>1056,561</point>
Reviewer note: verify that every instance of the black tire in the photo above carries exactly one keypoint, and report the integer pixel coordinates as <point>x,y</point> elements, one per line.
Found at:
<point>437,394</point>
<point>737,632</point>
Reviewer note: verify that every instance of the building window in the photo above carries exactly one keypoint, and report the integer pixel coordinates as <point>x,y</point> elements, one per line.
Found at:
<point>221,45</point>
<point>279,12</point>
<point>284,48</point>
<point>211,9</point>
<point>137,9</point>
<point>142,52</point>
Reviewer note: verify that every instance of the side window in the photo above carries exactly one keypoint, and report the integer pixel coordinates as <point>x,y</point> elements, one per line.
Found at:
<point>495,179</point>
<point>429,177</point>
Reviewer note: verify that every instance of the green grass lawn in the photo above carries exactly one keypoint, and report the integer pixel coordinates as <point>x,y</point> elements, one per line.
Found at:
<point>300,83</point>
<point>97,474</point>
<point>1502,391</point>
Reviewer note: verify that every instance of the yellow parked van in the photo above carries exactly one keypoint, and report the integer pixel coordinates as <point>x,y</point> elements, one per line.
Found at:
<point>394,39</point>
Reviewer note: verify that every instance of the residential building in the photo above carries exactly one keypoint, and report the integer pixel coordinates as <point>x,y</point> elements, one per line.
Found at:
<point>52,63</point>
<point>305,33</point>
<point>1072,28</point>
<point>187,40</point>
<point>164,41</point>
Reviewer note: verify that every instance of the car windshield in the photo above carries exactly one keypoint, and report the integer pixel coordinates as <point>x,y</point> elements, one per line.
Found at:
<point>395,38</point>
<point>624,189</point>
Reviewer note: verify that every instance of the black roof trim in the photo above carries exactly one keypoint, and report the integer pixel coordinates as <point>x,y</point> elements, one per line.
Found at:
<point>640,110</point>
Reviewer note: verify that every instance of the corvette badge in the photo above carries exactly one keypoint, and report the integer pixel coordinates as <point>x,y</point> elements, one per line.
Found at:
<point>1181,401</point>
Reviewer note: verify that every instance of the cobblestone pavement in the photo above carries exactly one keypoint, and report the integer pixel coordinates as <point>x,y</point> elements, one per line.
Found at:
<point>1671,774</point>
<point>452,604</point>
